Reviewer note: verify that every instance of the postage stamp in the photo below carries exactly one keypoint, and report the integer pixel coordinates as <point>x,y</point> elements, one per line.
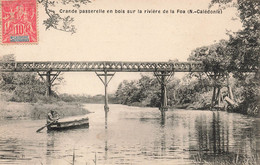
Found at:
<point>19,21</point>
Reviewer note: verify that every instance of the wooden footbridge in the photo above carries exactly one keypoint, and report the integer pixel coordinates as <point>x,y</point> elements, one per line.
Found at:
<point>95,66</point>
<point>105,70</point>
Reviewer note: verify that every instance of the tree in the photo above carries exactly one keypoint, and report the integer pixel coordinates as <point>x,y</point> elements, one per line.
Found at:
<point>25,87</point>
<point>215,57</point>
<point>244,44</point>
<point>7,80</point>
<point>240,54</point>
<point>28,87</point>
<point>55,20</point>
<point>217,61</point>
<point>144,92</point>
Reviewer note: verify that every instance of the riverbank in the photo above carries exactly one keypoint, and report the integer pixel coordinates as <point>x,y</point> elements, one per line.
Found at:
<point>18,110</point>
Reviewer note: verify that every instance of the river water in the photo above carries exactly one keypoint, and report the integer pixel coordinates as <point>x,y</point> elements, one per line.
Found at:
<point>133,136</point>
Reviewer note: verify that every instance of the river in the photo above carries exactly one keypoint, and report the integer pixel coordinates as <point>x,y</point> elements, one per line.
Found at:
<point>133,136</point>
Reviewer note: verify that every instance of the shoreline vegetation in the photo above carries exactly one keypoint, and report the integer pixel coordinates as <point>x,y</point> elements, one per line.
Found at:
<point>191,93</point>
<point>70,105</point>
<point>23,95</point>
<point>21,110</point>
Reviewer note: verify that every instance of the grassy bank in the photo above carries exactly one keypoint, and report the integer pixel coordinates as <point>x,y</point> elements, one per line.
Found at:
<point>16,110</point>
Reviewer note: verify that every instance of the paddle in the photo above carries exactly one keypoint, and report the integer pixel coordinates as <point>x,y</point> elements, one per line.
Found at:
<point>46,126</point>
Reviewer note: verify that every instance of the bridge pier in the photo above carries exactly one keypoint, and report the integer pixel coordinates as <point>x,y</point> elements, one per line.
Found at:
<point>105,82</point>
<point>216,92</point>
<point>219,82</point>
<point>49,79</point>
<point>163,78</point>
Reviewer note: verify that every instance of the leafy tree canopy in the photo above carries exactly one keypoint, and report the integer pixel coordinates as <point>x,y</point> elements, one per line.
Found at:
<point>244,45</point>
<point>214,56</point>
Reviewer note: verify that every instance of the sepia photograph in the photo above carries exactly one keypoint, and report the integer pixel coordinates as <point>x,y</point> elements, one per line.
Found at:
<point>106,82</point>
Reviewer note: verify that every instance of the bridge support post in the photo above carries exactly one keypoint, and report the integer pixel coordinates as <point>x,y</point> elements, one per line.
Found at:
<point>105,82</point>
<point>218,84</point>
<point>230,93</point>
<point>49,79</point>
<point>163,78</point>
<point>48,83</point>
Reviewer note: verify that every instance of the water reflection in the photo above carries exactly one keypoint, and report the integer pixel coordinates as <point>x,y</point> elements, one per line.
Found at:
<point>106,142</point>
<point>106,136</point>
<point>50,147</point>
<point>213,138</point>
<point>11,150</point>
<point>225,137</point>
<point>133,135</point>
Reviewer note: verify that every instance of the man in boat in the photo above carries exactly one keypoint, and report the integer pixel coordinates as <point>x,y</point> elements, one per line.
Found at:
<point>52,116</point>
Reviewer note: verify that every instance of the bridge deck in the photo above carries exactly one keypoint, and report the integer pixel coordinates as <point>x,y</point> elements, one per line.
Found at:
<point>110,66</point>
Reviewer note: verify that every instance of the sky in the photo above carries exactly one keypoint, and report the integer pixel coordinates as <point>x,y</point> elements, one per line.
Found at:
<point>125,37</point>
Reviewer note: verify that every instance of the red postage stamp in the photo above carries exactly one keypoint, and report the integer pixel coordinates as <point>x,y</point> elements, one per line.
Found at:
<point>19,21</point>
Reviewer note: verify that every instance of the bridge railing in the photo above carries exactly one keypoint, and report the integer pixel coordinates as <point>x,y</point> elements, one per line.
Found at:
<point>113,66</point>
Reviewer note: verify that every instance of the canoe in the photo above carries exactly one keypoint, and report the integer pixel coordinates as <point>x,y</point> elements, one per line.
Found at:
<point>69,123</point>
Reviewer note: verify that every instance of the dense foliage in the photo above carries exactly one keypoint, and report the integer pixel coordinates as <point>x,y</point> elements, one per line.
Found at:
<point>243,50</point>
<point>22,87</point>
<point>147,92</point>
<point>144,92</point>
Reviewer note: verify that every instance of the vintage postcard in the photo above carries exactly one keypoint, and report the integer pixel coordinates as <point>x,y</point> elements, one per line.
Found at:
<point>104,82</point>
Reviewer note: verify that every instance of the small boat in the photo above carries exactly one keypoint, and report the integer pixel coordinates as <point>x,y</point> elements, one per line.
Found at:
<point>69,123</point>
